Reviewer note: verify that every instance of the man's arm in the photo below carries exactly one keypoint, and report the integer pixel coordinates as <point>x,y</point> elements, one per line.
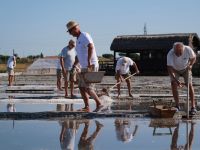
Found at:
<point>62,63</point>
<point>191,63</point>
<point>136,68</point>
<point>76,61</point>
<point>171,71</point>
<point>90,51</point>
<point>14,60</point>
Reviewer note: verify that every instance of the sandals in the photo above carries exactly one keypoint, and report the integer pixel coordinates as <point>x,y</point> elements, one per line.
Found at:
<point>193,111</point>
<point>98,109</point>
<point>85,109</point>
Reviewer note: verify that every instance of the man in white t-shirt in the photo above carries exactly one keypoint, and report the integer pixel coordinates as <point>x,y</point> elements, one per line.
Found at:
<point>180,60</point>
<point>11,63</point>
<point>67,60</point>
<point>123,71</point>
<point>87,58</point>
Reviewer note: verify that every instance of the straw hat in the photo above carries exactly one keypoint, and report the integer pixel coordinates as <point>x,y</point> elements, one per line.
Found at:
<point>70,25</point>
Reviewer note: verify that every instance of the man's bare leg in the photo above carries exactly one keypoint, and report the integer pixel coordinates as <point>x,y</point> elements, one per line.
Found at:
<point>72,88</point>
<point>10,80</point>
<point>85,98</point>
<point>175,92</point>
<point>118,89</point>
<point>66,88</point>
<point>129,87</point>
<point>93,94</point>
<point>191,92</point>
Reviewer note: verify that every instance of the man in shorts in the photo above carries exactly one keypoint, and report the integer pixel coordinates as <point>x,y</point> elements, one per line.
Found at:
<point>123,71</point>
<point>87,58</point>
<point>180,60</point>
<point>67,60</point>
<point>11,63</point>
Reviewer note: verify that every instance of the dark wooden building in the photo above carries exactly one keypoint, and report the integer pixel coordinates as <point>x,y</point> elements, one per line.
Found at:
<point>152,49</point>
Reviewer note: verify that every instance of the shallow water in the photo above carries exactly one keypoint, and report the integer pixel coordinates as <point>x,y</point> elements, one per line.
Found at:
<point>27,107</point>
<point>98,134</point>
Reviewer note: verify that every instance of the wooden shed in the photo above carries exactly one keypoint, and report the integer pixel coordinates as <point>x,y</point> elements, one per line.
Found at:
<point>152,49</point>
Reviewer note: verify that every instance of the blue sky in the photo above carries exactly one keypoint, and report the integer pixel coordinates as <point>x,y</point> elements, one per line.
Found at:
<point>34,26</point>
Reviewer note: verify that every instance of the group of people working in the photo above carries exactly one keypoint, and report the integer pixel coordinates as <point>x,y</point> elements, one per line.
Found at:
<point>81,56</point>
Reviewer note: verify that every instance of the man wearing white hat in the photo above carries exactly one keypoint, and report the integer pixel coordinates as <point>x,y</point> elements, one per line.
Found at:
<point>122,71</point>
<point>87,57</point>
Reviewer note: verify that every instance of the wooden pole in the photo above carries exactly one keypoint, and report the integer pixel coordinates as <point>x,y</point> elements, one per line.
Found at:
<point>188,103</point>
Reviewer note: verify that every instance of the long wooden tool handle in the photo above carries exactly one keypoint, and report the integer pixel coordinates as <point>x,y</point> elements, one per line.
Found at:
<point>124,79</point>
<point>188,93</point>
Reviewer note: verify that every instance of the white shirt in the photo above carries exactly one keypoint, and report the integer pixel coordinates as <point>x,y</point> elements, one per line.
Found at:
<point>69,139</point>
<point>181,62</point>
<point>10,62</point>
<point>124,69</point>
<point>82,50</point>
<point>69,57</point>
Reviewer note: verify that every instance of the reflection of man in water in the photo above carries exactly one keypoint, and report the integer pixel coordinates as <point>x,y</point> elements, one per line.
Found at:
<point>86,143</point>
<point>11,107</point>
<point>64,107</point>
<point>174,143</point>
<point>67,135</point>
<point>124,130</point>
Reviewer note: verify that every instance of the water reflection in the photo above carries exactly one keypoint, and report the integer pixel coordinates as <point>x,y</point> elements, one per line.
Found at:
<point>86,142</point>
<point>128,106</point>
<point>10,106</point>
<point>105,133</point>
<point>67,134</point>
<point>65,107</point>
<point>125,129</point>
<point>69,130</point>
<point>189,140</point>
<point>172,123</point>
<point>161,125</point>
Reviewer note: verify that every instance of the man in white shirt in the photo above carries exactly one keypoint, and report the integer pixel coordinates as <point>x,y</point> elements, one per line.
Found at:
<point>11,63</point>
<point>180,60</point>
<point>67,60</point>
<point>87,58</point>
<point>122,71</point>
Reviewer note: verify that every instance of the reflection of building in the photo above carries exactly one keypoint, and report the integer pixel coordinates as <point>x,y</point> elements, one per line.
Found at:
<point>152,49</point>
